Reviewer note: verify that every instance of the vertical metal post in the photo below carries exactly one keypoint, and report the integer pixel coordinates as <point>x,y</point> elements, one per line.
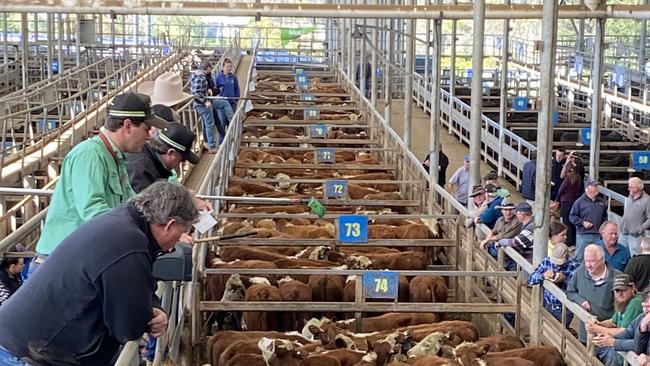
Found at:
<point>49,26</point>
<point>434,133</point>
<point>100,27</point>
<point>408,79</point>
<point>78,40</point>
<point>113,31</point>
<point>5,41</point>
<point>60,36</point>
<point>477,93</point>
<point>388,77</point>
<point>136,31</point>
<point>362,59</point>
<point>596,101</point>
<point>24,22</point>
<point>452,70</point>
<point>374,68</point>
<point>351,49</point>
<point>545,131</point>
<point>503,97</point>
<point>642,42</point>
<point>427,47</point>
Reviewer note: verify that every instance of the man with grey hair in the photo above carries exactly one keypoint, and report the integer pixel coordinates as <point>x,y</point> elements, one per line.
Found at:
<point>639,266</point>
<point>591,286</point>
<point>636,216</point>
<point>83,313</point>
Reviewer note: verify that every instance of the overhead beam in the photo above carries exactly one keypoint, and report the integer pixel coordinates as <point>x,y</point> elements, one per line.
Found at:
<point>251,9</point>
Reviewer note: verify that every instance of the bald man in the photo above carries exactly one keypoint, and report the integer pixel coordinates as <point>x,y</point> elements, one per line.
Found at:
<point>636,216</point>
<point>591,286</point>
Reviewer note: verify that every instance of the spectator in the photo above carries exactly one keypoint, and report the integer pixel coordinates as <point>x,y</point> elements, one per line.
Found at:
<point>568,193</point>
<point>228,84</point>
<point>591,286</point>
<point>367,75</point>
<point>491,214</point>
<point>491,178</point>
<point>528,175</point>
<point>522,242</point>
<point>167,90</point>
<point>480,205</point>
<point>460,180</point>
<point>557,164</point>
<point>506,227</point>
<point>587,214</point>
<point>610,335</point>
<point>642,335</point>
<point>10,275</point>
<point>578,165</point>
<point>557,234</point>
<point>163,153</point>
<point>558,268</point>
<point>83,313</point>
<point>639,266</point>
<point>94,175</point>
<point>636,216</point>
<point>443,163</point>
<point>616,254</point>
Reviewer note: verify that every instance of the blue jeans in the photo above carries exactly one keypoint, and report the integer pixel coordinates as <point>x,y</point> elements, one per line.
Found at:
<point>509,264</point>
<point>224,114</point>
<point>632,243</point>
<point>557,314</point>
<point>36,263</point>
<point>608,356</point>
<point>7,359</point>
<point>582,240</point>
<point>208,124</point>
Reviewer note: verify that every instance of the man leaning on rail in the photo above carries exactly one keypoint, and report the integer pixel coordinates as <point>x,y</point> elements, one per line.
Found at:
<point>83,314</point>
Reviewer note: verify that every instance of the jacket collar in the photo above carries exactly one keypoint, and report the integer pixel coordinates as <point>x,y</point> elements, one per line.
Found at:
<point>154,248</point>
<point>157,162</point>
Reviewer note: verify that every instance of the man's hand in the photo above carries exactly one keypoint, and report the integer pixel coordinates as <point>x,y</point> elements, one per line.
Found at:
<point>158,324</point>
<point>587,224</point>
<point>604,340</point>
<point>643,359</point>
<point>484,243</point>
<point>643,326</point>
<point>186,238</point>
<point>202,205</point>
<point>585,305</point>
<point>549,274</point>
<point>558,278</point>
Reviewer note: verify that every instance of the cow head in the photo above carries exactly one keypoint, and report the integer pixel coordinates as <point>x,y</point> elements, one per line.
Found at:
<point>468,353</point>
<point>430,345</point>
<point>320,252</point>
<point>358,262</point>
<point>235,290</point>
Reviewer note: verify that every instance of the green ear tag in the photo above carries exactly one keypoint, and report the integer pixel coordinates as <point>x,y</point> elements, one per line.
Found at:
<point>316,207</point>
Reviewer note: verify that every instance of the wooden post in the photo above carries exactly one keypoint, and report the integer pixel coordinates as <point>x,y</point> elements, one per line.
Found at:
<point>536,315</point>
<point>358,300</point>
<point>518,285</point>
<point>469,260</point>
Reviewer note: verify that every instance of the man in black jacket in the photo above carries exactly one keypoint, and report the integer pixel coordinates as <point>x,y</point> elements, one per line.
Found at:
<point>162,153</point>
<point>81,314</point>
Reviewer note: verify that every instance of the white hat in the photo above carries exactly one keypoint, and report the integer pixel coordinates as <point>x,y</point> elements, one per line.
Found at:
<point>166,90</point>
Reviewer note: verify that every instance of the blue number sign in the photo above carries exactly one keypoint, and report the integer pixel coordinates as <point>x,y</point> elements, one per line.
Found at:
<point>380,284</point>
<point>318,131</point>
<point>353,229</point>
<point>302,80</point>
<point>521,103</point>
<point>50,125</point>
<point>336,188</point>
<point>641,160</point>
<point>556,118</point>
<point>312,113</point>
<point>299,70</point>
<point>325,155</point>
<point>585,136</point>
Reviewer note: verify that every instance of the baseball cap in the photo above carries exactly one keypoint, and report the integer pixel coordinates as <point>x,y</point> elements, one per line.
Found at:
<point>136,107</point>
<point>491,189</point>
<point>523,207</point>
<point>466,157</point>
<point>623,281</point>
<point>559,254</point>
<point>492,175</point>
<point>180,138</point>
<point>592,183</point>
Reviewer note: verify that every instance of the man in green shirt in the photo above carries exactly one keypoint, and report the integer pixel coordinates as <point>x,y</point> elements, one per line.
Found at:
<point>94,177</point>
<point>627,305</point>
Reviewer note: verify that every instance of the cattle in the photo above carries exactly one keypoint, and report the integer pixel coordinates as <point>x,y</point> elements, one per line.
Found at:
<point>468,353</point>
<point>388,321</point>
<point>294,291</point>
<point>231,253</point>
<point>500,342</point>
<point>431,361</point>
<point>261,320</point>
<point>539,355</point>
<point>458,331</point>
<point>320,360</point>
<point>280,352</point>
<point>326,288</point>
<point>399,261</point>
<point>428,289</point>
<point>430,345</point>
<point>220,341</point>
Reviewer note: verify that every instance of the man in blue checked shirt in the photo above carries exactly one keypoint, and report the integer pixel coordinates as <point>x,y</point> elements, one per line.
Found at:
<point>557,268</point>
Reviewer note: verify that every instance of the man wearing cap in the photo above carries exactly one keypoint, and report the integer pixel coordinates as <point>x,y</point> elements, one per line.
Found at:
<point>460,180</point>
<point>610,336</point>
<point>616,254</point>
<point>167,90</point>
<point>491,178</point>
<point>522,242</point>
<point>587,214</point>
<point>163,153</point>
<point>592,286</point>
<point>636,216</point>
<point>94,175</point>
<point>491,214</point>
<point>506,227</point>
<point>557,268</point>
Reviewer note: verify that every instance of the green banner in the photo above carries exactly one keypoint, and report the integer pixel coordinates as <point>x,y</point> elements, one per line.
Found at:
<point>289,34</point>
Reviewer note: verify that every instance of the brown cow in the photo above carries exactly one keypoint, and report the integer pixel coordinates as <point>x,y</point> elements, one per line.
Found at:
<point>221,340</point>
<point>500,342</point>
<point>292,290</point>
<point>399,261</point>
<point>389,321</point>
<point>428,289</point>
<point>261,320</point>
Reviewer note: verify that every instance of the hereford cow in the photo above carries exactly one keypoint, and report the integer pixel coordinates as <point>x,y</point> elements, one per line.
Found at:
<point>261,320</point>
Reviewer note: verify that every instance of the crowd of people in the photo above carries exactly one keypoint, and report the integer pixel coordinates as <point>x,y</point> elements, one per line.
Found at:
<point>601,265</point>
<point>116,207</point>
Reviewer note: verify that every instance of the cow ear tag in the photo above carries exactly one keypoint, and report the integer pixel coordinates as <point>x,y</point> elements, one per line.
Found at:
<point>316,207</point>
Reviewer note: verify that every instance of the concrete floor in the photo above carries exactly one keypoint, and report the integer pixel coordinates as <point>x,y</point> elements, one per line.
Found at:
<point>450,145</point>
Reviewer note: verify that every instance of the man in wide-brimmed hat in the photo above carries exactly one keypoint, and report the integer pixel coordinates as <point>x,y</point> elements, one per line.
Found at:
<point>167,90</point>
<point>478,198</point>
<point>507,226</point>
